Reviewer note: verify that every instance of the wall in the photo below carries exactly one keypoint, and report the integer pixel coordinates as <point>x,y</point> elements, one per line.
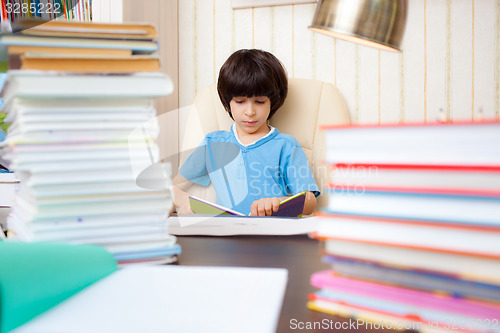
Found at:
<point>107,11</point>
<point>163,15</point>
<point>450,65</point>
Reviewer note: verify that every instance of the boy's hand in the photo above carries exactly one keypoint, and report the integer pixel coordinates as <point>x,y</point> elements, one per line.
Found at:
<point>184,209</point>
<point>181,203</point>
<point>265,206</point>
<point>181,200</point>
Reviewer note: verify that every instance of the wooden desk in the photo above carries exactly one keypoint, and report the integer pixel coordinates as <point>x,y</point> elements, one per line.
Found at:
<point>299,254</point>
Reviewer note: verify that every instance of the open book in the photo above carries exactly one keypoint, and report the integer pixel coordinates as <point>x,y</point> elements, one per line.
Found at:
<point>290,207</point>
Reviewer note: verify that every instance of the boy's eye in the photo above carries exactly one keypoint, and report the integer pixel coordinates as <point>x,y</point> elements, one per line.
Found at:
<point>260,102</point>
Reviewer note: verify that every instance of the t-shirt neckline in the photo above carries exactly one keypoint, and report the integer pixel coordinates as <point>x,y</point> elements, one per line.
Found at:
<point>235,133</point>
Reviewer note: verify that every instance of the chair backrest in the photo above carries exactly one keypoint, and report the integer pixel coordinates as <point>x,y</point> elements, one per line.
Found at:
<point>309,103</point>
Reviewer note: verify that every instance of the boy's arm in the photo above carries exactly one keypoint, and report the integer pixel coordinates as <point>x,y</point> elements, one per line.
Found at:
<point>181,198</point>
<point>309,204</point>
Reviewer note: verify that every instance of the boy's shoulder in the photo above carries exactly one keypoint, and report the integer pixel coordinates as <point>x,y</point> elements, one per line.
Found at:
<point>218,136</point>
<point>287,139</point>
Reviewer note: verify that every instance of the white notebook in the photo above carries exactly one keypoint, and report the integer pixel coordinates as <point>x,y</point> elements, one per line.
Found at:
<point>171,299</point>
<point>240,225</point>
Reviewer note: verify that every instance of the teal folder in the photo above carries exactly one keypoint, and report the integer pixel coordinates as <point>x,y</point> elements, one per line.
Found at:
<point>37,276</point>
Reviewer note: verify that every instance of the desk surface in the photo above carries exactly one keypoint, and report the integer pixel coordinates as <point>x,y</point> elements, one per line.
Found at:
<point>299,254</point>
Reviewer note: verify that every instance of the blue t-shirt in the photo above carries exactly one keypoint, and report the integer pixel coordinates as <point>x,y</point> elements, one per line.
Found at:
<point>273,166</point>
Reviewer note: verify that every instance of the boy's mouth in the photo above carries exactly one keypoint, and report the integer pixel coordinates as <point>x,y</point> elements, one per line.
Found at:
<point>249,123</point>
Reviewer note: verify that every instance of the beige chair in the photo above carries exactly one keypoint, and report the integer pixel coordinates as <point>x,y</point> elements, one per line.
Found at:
<point>309,103</point>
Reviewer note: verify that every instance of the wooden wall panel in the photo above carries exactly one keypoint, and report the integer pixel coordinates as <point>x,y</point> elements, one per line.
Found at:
<point>414,69</point>
<point>243,29</point>
<point>262,39</point>
<point>389,87</point>
<point>283,36</point>
<point>107,11</point>
<point>435,35</point>
<point>451,59</point>
<point>461,59</point>
<point>484,59</point>
<point>303,64</point>
<point>164,15</point>
<point>187,52</point>
<point>347,75</point>
<point>324,58</point>
<point>367,87</point>
<point>223,35</point>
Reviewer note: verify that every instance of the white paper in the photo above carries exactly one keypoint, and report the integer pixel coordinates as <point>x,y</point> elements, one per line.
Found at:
<point>171,299</point>
<point>235,225</point>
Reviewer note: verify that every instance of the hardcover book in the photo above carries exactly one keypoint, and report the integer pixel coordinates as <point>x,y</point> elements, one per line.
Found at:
<point>290,207</point>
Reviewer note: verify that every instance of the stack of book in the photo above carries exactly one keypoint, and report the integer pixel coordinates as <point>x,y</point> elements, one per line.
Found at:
<point>82,47</point>
<point>412,226</point>
<point>83,147</point>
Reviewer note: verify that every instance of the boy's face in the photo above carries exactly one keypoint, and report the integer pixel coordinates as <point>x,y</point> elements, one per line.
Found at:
<point>251,113</point>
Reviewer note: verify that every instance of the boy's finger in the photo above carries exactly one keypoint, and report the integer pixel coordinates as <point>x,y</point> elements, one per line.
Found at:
<point>261,210</point>
<point>253,209</point>
<point>276,205</point>
<point>269,208</point>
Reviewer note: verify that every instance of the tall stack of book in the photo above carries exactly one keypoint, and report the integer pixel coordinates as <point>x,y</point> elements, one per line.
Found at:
<point>412,228</point>
<point>82,143</point>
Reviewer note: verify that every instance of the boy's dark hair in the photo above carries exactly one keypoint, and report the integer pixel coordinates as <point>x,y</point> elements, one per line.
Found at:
<point>252,73</point>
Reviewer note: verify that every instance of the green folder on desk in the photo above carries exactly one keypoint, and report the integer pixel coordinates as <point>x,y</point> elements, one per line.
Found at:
<point>37,276</point>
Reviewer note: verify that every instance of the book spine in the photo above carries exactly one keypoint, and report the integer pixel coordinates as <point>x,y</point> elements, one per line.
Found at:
<point>417,167</point>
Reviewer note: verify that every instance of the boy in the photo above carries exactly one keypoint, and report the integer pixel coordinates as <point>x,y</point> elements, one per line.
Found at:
<point>257,167</point>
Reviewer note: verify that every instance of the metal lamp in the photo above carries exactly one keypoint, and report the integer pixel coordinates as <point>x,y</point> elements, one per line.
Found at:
<point>375,23</point>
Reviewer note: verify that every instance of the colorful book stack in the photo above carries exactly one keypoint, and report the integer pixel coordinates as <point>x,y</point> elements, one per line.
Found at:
<point>81,47</point>
<point>83,147</point>
<point>412,228</point>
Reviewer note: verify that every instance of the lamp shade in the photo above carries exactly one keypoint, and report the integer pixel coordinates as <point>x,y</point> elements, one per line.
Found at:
<point>375,23</point>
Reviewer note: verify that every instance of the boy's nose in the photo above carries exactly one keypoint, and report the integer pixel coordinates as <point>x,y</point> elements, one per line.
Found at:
<point>249,111</point>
